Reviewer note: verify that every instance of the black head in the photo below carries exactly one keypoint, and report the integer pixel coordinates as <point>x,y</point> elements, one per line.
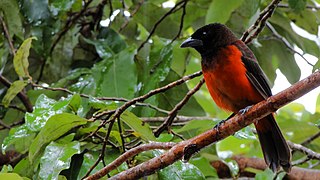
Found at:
<point>209,38</point>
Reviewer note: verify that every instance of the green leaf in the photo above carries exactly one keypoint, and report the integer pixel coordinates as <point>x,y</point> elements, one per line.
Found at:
<point>36,11</point>
<point>60,5</point>
<point>265,175</point>
<point>46,107</point>
<point>75,103</point>
<point>220,10</point>
<point>316,66</point>
<point>245,133</point>
<point>204,166</point>
<point>180,170</point>
<point>20,60</point>
<point>21,137</point>
<point>57,157</point>
<point>307,20</point>
<point>141,129</point>
<point>195,127</point>
<point>10,176</point>
<point>55,127</point>
<point>297,5</point>
<point>116,76</point>
<point>14,89</point>
<point>12,17</point>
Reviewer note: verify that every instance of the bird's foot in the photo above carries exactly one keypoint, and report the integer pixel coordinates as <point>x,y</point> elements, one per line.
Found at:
<point>244,110</point>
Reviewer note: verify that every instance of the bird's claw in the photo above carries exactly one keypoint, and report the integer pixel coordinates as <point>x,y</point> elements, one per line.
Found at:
<point>244,110</point>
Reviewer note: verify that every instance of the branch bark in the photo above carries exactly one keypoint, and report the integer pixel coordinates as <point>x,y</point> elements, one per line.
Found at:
<point>226,129</point>
<point>257,163</point>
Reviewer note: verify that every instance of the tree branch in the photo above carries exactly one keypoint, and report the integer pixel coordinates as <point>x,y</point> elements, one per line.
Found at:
<point>127,155</point>
<point>173,113</point>
<point>226,129</point>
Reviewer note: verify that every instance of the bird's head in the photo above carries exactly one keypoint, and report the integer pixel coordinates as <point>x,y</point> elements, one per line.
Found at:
<point>209,38</point>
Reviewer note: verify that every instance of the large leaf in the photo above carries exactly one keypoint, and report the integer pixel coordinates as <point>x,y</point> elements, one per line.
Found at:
<point>46,107</point>
<point>14,89</point>
<point>220,10</point>
<point>20,60</point>
<point>57,157</point>
<point>180,170</point>
<point>116,76</point>
<point>10,176</point>
<point>21,137</point>
<point>55,127</point>
<point>11,13</point>
<point>141,129</point>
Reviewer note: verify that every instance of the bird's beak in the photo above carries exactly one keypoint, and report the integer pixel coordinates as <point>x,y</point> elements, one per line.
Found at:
<point>191,43</point>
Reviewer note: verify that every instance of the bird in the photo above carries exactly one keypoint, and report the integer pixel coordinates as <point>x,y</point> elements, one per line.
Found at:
<point>235,82</point>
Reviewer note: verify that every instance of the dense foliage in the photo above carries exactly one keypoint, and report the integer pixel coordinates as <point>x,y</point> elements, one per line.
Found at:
<point>72,60</point>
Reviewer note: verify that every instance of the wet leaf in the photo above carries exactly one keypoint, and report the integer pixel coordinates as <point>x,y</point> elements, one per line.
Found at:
<point>12,92</point>
<point>180,170</point>
<point>55,127</point>
<point>141,129</point>
<point>57,157</point>
<point>20,60</point>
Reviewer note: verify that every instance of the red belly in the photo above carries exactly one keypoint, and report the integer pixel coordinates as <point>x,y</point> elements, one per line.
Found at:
<point>227,82</point>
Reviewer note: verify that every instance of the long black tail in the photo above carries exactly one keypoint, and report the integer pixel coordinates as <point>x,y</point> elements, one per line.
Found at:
<point>275,148</point>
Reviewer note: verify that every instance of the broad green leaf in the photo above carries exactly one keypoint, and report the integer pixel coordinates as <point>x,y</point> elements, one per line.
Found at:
<point>245,133</point>
<point>12,17</point>
<point>14,89</point>
<point>204,166</point>
<point>282,24</point>
<point>265,175</point>
<point>23,168</point>
<point>116,76</point>
<point>55,127</point>
<point>46,107</point>
<point>10,176</point>
<point>20,60</point>
<point>20,137</point>
<point>140,128</point>
<point>36,11</point>
<point>233,146</point>
<point>297,5</point>
<point>75,103</point>
<point>307,20</point>
<point>220,10</point>
<point>60,5</point>
<point>57,157</point>
<point>180,170</point>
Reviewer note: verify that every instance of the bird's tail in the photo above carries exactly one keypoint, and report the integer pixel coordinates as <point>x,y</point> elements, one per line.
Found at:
<point>275,148</point>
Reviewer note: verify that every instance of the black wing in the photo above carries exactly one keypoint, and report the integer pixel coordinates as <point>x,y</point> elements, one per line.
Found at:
<point>254,72</point>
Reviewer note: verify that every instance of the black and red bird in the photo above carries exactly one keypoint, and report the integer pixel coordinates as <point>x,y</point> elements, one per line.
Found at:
<point>236,81</point>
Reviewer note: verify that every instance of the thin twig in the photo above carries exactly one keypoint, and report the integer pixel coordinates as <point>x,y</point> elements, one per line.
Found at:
<point>178,119</point>
<point>7,34</point>
<point>159,21</point>
<point>310,139</point>
<point>127,155</point>
<point>260,22</point>
<point>298,147</point>
<point>286,43</point>
<point>173,113</point>
<point>307,6</point>
<point>181,21</point>
<point>124,25</point>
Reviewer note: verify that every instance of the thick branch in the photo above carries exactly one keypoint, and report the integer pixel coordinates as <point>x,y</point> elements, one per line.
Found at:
<point>257,163</point>
<point>231,126</point>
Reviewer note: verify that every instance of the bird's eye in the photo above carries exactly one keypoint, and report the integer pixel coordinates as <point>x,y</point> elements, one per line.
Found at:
<point>204,33</point>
